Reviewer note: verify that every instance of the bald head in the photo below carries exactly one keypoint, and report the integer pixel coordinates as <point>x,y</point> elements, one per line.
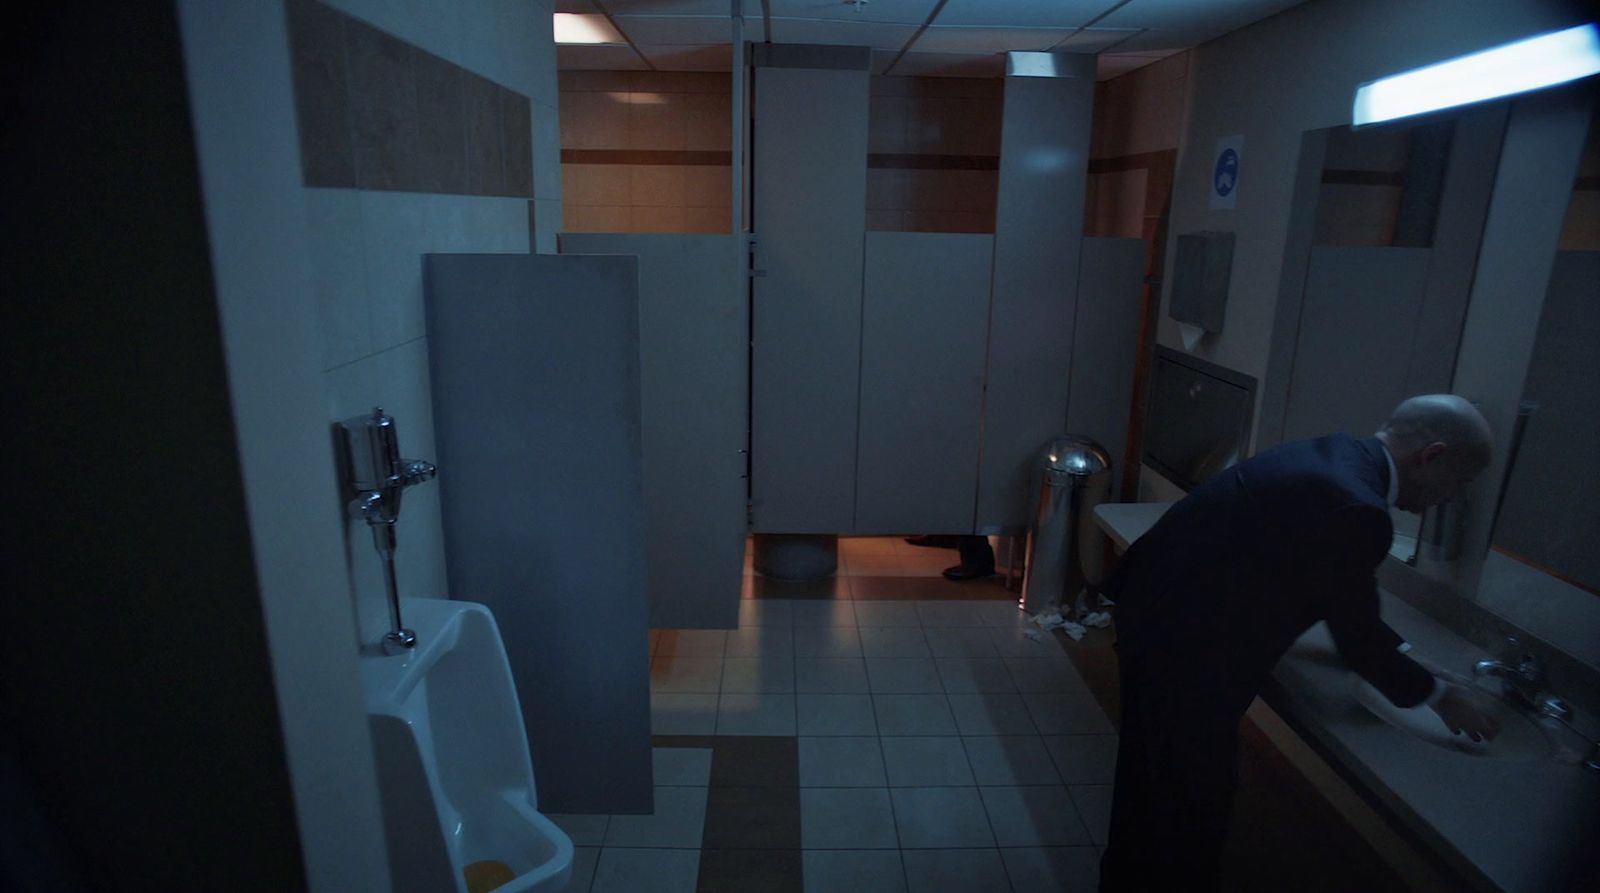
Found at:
<point>1439,442</point>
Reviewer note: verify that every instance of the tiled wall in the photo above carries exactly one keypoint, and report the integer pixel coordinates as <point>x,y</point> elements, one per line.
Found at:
<point>933,154</point>
<point>368,225</point>
<point>1138,119</point>
<point>646,151</point>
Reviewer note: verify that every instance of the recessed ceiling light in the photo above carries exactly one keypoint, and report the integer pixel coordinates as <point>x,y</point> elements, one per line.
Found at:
<point>590,29</point>
<point>1542,61</point>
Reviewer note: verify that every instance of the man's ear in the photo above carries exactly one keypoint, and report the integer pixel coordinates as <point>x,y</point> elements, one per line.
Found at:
<point>1432,451</point>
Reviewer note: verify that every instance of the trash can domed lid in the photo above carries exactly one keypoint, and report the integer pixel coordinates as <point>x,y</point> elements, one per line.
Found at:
<point>1073,456</point>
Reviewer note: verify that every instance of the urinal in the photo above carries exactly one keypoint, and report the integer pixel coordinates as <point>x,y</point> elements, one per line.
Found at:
<point>459,805</point>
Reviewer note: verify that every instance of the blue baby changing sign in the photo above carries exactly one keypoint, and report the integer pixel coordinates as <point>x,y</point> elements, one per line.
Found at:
<point>1225,172</point>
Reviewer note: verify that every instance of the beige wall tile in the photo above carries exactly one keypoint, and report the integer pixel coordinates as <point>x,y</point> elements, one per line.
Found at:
<point>597,184</point>
<point>707,186</point>
<point>655,121</point>
<point>597,121</point>
<point>656,220</point>
<point>657,186</point>
<point>601,219</point>
<point>707,121</point>
<point>596,81</point>
<point>886,188</point>
<point>886,124</point>
<point>886,220</point>
<point>707,220</point>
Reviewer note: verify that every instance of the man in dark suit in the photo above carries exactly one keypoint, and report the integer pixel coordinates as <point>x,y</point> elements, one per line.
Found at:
<point>1217,591</point>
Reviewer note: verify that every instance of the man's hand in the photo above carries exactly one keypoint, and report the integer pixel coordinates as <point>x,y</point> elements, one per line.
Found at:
<point>1461,715</point>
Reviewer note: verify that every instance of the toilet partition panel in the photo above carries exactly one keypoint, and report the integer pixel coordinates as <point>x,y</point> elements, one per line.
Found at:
<point>535,375</point>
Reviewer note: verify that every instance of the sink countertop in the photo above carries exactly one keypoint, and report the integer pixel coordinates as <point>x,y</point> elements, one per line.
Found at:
<point>1521,827</point>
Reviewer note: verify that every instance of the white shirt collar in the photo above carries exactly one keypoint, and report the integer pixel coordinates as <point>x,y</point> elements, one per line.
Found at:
<point>1394,476</point>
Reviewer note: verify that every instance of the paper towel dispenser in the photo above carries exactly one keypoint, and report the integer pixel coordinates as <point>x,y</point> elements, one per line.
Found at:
<point>1200,279</point>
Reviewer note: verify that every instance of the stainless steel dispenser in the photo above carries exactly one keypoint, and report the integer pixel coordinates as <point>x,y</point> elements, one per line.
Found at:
<point>379,477</point>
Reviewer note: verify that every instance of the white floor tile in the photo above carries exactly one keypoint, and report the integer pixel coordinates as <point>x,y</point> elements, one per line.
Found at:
<point>623,870</point>
<point>893,641</point>
<point>1014,642</point>
<point>822,612</point>
<point>1038,815</point>
<point>831,675</point>
<point>1010,760</point>
<point>584,859</point>
<point>692,642</point>
<point>826,641</point>
<point>950,613</point>
<point>841,762</point>
<point>763,612</point>
<point>585,830</point>
<point>829,714</point>
<point>683,714</point>
<point>886,613</point>
<point>913,715</point>
<point>956,871</point>
<point>758,674</point>
<point>1067,713</point>
<point>992,713</point>
<point>967,675</point>
<point>940,817</point>
<point>1052,869</point>
<point>1084,759</point>
<point>853,871</point>
<point>685,675</point>
<point>678,822</point>
<point>1045,674</point>
<point>756,714</point>
<point>681,766</point>
<point>903,676</point>
<point>926,762</point>
<point>761,641</point>
<point>839,818</point>
<point>960,641</point>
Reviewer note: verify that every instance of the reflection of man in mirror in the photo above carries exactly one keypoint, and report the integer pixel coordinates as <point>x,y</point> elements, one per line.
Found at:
<point>1212,596</point>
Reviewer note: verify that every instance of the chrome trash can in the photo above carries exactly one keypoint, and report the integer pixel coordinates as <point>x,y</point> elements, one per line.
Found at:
<point>1064,551</point>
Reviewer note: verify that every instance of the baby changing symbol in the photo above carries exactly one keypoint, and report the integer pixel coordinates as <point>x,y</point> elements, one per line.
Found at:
<point>1227,172</point>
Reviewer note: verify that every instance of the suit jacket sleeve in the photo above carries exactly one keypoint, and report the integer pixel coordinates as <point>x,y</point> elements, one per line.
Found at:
<point>1357,538</point>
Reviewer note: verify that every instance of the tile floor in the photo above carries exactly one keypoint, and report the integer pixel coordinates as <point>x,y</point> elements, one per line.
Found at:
<point>838,741</point>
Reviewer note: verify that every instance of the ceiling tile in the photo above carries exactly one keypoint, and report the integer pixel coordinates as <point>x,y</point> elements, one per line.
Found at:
<point>947,65</point>
<point>606,58</point>
<point>1212,18</point>
<point>676,30</point>
<point>904,12</point>
<point>690,58</point>
<point>856,34</point>
<point>987,40</point>
<point>676,7</point>
<point>1160,41</point>
<point>1023,13</point>
<point>1094,40</point>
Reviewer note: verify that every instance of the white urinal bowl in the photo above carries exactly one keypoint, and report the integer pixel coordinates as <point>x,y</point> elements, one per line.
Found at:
<point>452,756</point>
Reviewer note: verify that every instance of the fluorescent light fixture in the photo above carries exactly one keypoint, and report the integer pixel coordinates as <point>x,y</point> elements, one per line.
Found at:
<point>575,28</point>
<point>1542,61</point>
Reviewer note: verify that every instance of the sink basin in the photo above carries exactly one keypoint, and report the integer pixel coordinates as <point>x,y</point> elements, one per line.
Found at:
<point>1520,738</point>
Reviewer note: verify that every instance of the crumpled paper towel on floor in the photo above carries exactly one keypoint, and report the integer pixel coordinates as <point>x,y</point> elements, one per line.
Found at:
<point>1048,620</point>
<point>1097,619</point>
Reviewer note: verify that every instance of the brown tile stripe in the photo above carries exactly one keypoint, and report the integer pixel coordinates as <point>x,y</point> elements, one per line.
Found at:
<point>882,160</point>
<point>378,113</point>
<point>751,842</point>
<point>645,156</point>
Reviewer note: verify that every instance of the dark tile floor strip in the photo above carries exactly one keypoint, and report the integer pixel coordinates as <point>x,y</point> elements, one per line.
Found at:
<point>751,842</point>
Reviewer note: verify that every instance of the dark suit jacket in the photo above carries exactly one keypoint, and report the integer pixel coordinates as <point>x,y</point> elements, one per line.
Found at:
<point>1230,576</point>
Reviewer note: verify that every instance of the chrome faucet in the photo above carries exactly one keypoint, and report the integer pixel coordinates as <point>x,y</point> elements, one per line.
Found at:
<point>1525,684</point>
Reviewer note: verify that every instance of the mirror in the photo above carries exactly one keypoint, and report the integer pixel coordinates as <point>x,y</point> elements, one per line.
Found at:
<point>1547,519</point>
<point>1429,244</point>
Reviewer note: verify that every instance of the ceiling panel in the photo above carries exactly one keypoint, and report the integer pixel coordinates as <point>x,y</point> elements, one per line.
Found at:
<point>598,58</point>
<point>675,7</point>
<point>987,40</point>
<point>676,30</point>
<point>877,35</point>
<point>1094,40</point>
<point>690,58</point>
<point>1025,13</point>
<point>904,12</point>
<point>1212,17</point>
<point>1161,41</point>
<point>944,65</point>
